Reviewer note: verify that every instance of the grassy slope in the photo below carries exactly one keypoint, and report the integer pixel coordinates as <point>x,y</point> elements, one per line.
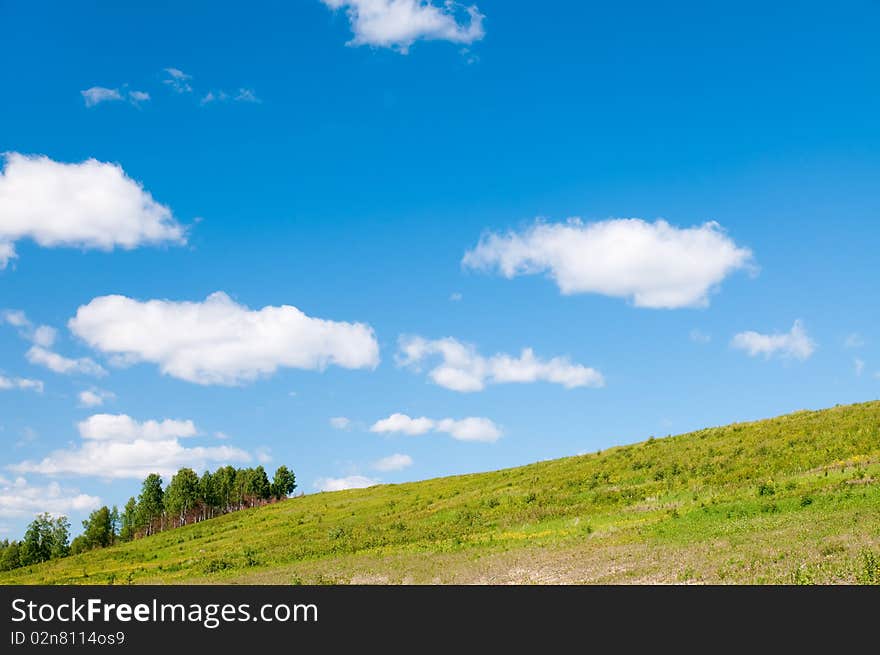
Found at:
<point>790,499</point>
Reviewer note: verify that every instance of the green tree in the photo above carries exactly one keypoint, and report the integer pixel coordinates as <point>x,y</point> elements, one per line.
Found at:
<point>151,506</point>
<point>37,544</point>
<point>208,495</point>
<point>182,495</point>
<point>283,483</point>
<point>129,523</point>
<point>10,557</point>
<point>115,523</point>
<point>224,487</point>
<point>257,486</point>
<point>60,540</point>
<point>98,529</point>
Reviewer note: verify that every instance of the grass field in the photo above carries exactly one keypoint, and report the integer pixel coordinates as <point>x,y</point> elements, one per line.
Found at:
<point>795,499</point>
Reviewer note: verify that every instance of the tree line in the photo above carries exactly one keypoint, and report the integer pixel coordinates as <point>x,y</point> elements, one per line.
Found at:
<point>188,498</point>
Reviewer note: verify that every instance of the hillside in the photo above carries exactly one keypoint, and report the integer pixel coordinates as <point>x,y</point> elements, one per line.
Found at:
<point>792,499</point>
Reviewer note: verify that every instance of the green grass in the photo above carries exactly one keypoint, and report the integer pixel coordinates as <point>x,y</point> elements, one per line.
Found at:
<point>794,499</point>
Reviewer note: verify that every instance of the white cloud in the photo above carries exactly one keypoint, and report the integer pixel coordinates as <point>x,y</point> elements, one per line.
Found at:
<point>340,484</point>
<point>403,423</point>
<point>98,94</point>
<point>467,429</point>
<point>395,462</point>
<point>44,336</point>
<point>138,96</point>
<point>121,427</point>
<point>94,397</point>
<point>90,205</point>
<point>218,341</point>
<point>859,365</point>
<point>178,80</point>
<point>210,97</point>
<point>242,95</point>
<point>41,335</point>
<point>15,318</point>
<point>854,340</point>
<point>470,429</point>
<point>24,384</point>
<point>117,446</point>
<point>399,23</point>
<point>19,498</point>
<point>463,369</point>
<point>65,365</point>
<point>340,422</point>
<point>793,344</point>
<point>656,265</point>
<point>698,336</point>
<point>247,95</point>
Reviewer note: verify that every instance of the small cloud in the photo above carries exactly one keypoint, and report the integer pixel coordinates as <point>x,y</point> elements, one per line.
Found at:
<point>94,397</point>
<point>98,94</point>
<point>795,343</point>
<point>859,365</point>
<point>211,96</point>
<point>15,318</point>
<point>340,422</point>
<point>472,428</point>
<point>221,435</point>
<point>854,340</point>
<point>340,484</point>
<point>455,297</point>
<point>178,80</point>
<point>22,384</point>
<point>40,356</point>
<point>247,95</point>
<point>698,336</point>
<point>263,454</point>
<point>137,97</point>
<point>395,462</point>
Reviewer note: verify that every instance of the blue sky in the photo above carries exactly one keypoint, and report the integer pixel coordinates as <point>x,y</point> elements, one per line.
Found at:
<point>348,156</point>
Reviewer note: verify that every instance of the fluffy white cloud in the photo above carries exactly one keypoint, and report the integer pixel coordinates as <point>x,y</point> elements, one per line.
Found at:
<point>470,429</point>
<point>400,23</point>
<point>117,446</point>
<point>218,341</point>
<point>795,343</point>
<point>87,205</point>
<point>19,498</point>
<point>20,383</point>
<point>64,365</point>
<point>177,80</point>
<point>138,96</point>
<point>340,422</point>
<point>656,264</point>
<point>473,428</point>
<point>403,423</point>
<point>463,369</point>
<point>121,427</point>
<point>395,462</point>
<point>341,484</point>
<point>94,397</point>
<point>98,94</point>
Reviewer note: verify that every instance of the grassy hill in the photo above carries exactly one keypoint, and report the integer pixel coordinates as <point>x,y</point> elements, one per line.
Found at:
<point>794,499</point>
